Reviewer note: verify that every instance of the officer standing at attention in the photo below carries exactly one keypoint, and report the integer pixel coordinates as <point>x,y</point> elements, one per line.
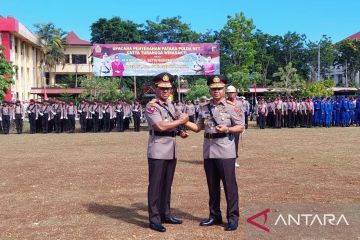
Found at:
<point>231,96</point>
<point>220,119</point>
<point>162,121</point>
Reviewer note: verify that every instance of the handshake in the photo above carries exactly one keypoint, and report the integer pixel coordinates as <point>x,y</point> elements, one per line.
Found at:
<point>181,130</point>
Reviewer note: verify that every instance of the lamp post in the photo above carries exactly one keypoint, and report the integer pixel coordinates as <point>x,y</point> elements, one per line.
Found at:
<point>340,54</point>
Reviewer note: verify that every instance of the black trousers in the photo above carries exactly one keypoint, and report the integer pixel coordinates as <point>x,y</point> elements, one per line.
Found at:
<point>246,120</point>
<point>19,123</point>
<point>45,123</point>
<point>57,123</point>
<point>237,139</point>
<point>290,118</point>
<point>107,122</point>
<point>6,124</point>
<point>161,175</point>
<point>278,118</point>
<point>96,123</point>
<point>309,118</point>
<point>136,117</point>
<point>222,170</point>
<point>83,122</point>
<point>32,121</point>
<point>270,120</point>
<point>262,120</point>
<point>71,122</point>
<point>120,121</point>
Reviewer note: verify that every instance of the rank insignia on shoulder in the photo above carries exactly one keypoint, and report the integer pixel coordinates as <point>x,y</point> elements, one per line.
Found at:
<point>153,102</point>
<point>230,102</point>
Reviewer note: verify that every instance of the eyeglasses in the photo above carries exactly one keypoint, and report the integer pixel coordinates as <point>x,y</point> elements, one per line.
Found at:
<point>216,89</point>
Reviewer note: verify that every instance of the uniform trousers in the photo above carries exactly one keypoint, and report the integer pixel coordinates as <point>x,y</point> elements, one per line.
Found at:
<point>161,175</point>
<point>18,123</point>
<point>278,118</point>
<point>83,122</point>
<point>71,121</point>
<point>32,121</point>
<point>222,170</point>
<point>262,120</point>
<point>45,123</point>
<point>57,122</point>
<point>136,117</point>
<point>120,121</point>
<point>6,124</point>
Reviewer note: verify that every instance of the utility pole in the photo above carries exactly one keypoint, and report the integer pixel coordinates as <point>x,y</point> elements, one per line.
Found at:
<point>318,77</point>
<point>135,87</point>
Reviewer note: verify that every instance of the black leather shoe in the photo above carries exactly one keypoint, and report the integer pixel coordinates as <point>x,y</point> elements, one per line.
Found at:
<point>231,227</point>
<point>171,220</point>
<point>157,227</point>
<point>211,221</point>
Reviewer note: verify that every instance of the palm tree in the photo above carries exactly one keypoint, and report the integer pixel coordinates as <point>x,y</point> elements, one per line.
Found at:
<point>53,43</point>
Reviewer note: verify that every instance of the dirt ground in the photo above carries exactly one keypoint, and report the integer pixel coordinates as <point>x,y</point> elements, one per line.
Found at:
<point>94,186</point>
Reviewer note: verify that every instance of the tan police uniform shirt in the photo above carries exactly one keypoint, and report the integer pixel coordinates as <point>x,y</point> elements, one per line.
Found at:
<point>160,147</point>
<point>226,113</point>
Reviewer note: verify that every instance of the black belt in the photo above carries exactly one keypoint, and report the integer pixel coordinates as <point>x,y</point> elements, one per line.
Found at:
<point>163,134</point>
<point>215,135</point>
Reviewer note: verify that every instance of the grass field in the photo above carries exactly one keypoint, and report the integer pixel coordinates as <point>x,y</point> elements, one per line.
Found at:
<point>94,186</point>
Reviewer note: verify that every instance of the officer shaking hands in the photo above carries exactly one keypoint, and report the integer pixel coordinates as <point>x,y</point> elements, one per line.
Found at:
<point>221,120</point>
<point>163,122</point>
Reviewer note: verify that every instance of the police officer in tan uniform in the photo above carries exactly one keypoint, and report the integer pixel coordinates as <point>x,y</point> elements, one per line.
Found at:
<point>231,96</point>
<point>220,119</point>
<point>162,121</point>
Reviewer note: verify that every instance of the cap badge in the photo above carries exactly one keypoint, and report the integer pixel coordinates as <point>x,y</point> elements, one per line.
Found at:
<point>165,78</point>
<point>216,79</point>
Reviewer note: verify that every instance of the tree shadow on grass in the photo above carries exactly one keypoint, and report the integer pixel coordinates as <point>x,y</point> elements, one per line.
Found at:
<point>136,214</point>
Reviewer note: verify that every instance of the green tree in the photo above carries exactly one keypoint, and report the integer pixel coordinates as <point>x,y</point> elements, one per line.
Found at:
<point>321,88</point>
<point>289,79</point>
<point>116,30</point>
<point>53,42</point>
<point>293,49</point>
<point>238,45</point>
<point>198,90</point>
<point>6,73</point>
<point>104,89</point>
<point>169,30</point>
<point>327,57</point>
<point>265,63</point>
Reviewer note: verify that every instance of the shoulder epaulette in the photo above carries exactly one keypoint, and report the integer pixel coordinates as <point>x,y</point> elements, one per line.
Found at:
<point>230,102</point>
<point>153,101</point>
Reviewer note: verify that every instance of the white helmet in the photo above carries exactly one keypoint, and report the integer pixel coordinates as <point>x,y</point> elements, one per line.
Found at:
<point>231,89</point>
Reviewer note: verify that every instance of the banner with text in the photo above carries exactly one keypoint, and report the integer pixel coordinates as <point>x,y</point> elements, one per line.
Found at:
<point>151,59</point>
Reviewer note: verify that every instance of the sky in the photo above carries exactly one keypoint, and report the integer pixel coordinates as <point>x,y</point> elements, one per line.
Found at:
<point>314,18</point>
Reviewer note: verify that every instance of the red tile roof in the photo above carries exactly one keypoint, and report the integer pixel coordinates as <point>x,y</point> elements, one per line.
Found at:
<point>73,39</point>
<point>355,36</point>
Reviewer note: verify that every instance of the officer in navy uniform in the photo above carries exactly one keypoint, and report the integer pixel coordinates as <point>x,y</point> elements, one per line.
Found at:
<point>220,119</point>
<point>162,121</point>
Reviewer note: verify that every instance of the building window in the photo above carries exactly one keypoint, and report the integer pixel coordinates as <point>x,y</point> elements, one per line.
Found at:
<point>340,80</point>
<point>78,59</point>
<point>17,73</point>
<point>67,58</point>
<point>22,48</point>
<point>16,47</point>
